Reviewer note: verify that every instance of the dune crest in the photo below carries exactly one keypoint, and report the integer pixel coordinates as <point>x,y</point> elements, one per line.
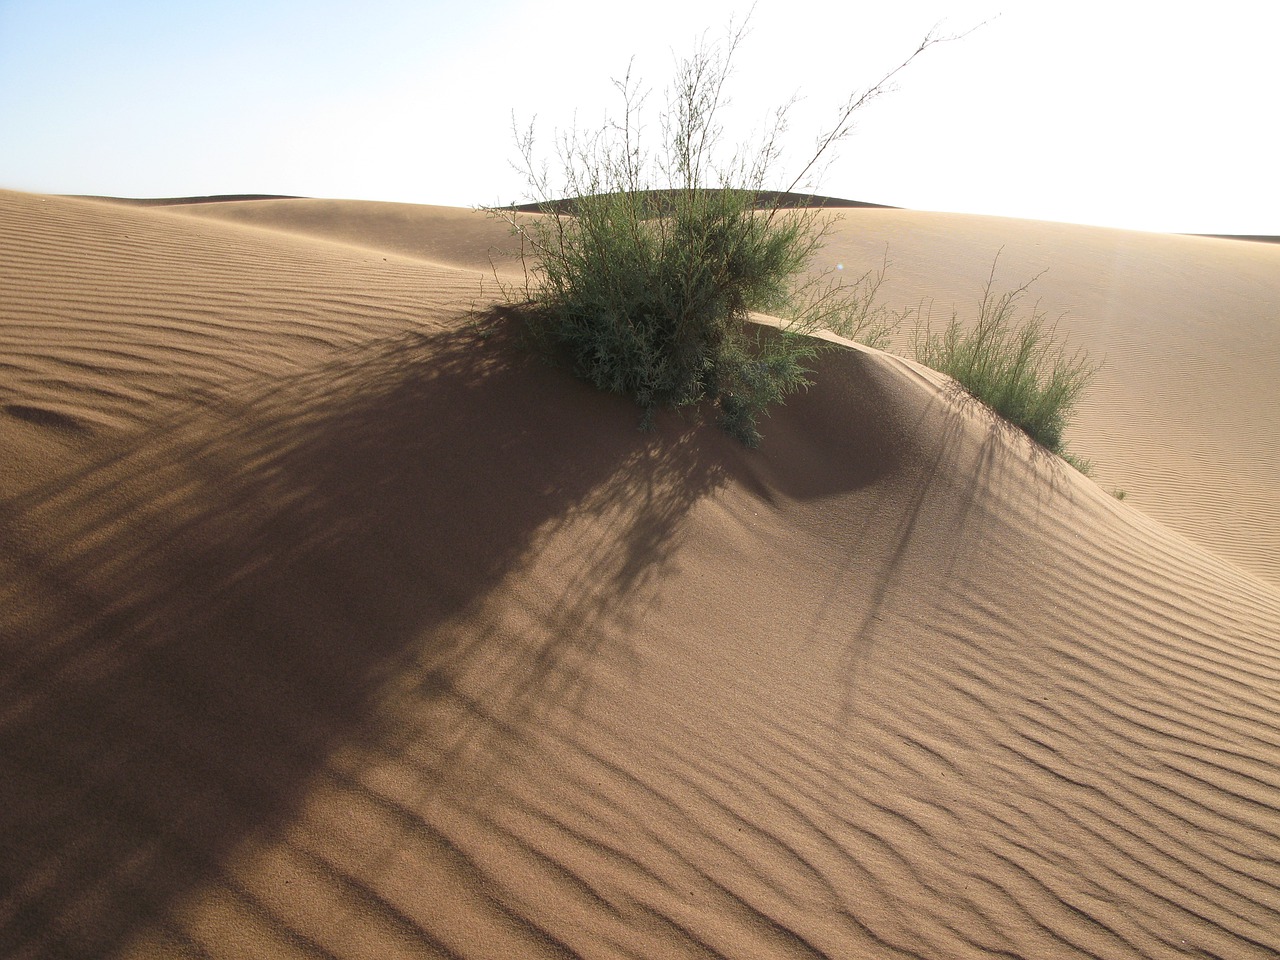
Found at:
<point>349,629</point>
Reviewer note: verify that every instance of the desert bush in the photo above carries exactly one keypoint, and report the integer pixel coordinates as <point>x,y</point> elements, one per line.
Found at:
<point>1019,367</point>
<point>648,274</point>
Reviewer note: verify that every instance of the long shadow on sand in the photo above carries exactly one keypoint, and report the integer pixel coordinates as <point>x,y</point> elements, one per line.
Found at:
<point>194,625</point>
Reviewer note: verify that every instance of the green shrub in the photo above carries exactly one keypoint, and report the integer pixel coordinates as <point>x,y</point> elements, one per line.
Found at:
<point>648,273</point>
<point>1019,368</point>
<point>650,303</point>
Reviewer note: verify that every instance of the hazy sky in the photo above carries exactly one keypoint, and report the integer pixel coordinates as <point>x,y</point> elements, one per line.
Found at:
<point>1149,115</point>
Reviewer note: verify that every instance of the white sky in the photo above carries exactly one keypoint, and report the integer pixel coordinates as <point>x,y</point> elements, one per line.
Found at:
<point>1147,115</point>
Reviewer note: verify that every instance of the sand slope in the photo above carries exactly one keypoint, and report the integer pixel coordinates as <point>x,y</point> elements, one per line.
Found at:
<point>447,235</point>
<point>1181,416</point>
<point>343,628</point>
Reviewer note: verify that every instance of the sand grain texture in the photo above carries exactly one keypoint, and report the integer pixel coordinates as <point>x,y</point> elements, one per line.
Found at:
<point>336,626</point>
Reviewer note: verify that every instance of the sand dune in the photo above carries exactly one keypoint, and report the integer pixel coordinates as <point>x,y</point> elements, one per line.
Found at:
<point>335,625</point>
<point>1180,418</point>
<point>447,235</point>
<point>1189,328</point>
<point>113,314</point>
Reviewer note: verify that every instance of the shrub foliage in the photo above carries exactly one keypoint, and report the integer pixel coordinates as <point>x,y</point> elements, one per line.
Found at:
<point>649,276</point>
<point>651,303</point>
<point>1020,368</point>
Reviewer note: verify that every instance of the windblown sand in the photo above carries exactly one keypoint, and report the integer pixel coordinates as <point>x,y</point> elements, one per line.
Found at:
<point>335,624</point>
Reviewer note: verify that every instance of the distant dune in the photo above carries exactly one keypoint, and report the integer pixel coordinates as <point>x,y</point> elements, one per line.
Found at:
<point>186,201</point>
<point>1254,237</point>
<point>334,624</point>
<point>764,199</point>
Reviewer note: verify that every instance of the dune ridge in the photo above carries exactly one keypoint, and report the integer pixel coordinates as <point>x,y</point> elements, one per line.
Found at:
<point>395,641</point>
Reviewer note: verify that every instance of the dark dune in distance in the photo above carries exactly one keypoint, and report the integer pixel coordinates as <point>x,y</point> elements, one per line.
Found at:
<point>1256,238</point>
<point>764,200</point>
<point>181,201</point>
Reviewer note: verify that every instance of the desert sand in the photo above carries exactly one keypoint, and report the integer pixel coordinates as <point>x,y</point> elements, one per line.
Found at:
<point>335,624</point>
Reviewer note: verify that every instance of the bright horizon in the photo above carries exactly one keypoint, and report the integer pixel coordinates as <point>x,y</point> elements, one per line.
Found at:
<point>1133,115</point>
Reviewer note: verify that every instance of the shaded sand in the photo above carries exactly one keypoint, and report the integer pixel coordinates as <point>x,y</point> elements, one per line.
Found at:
<point>346,629</point>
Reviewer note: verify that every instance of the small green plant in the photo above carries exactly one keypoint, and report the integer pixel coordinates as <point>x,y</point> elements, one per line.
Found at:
<point>648,273</point>
<point>1020,368</point>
